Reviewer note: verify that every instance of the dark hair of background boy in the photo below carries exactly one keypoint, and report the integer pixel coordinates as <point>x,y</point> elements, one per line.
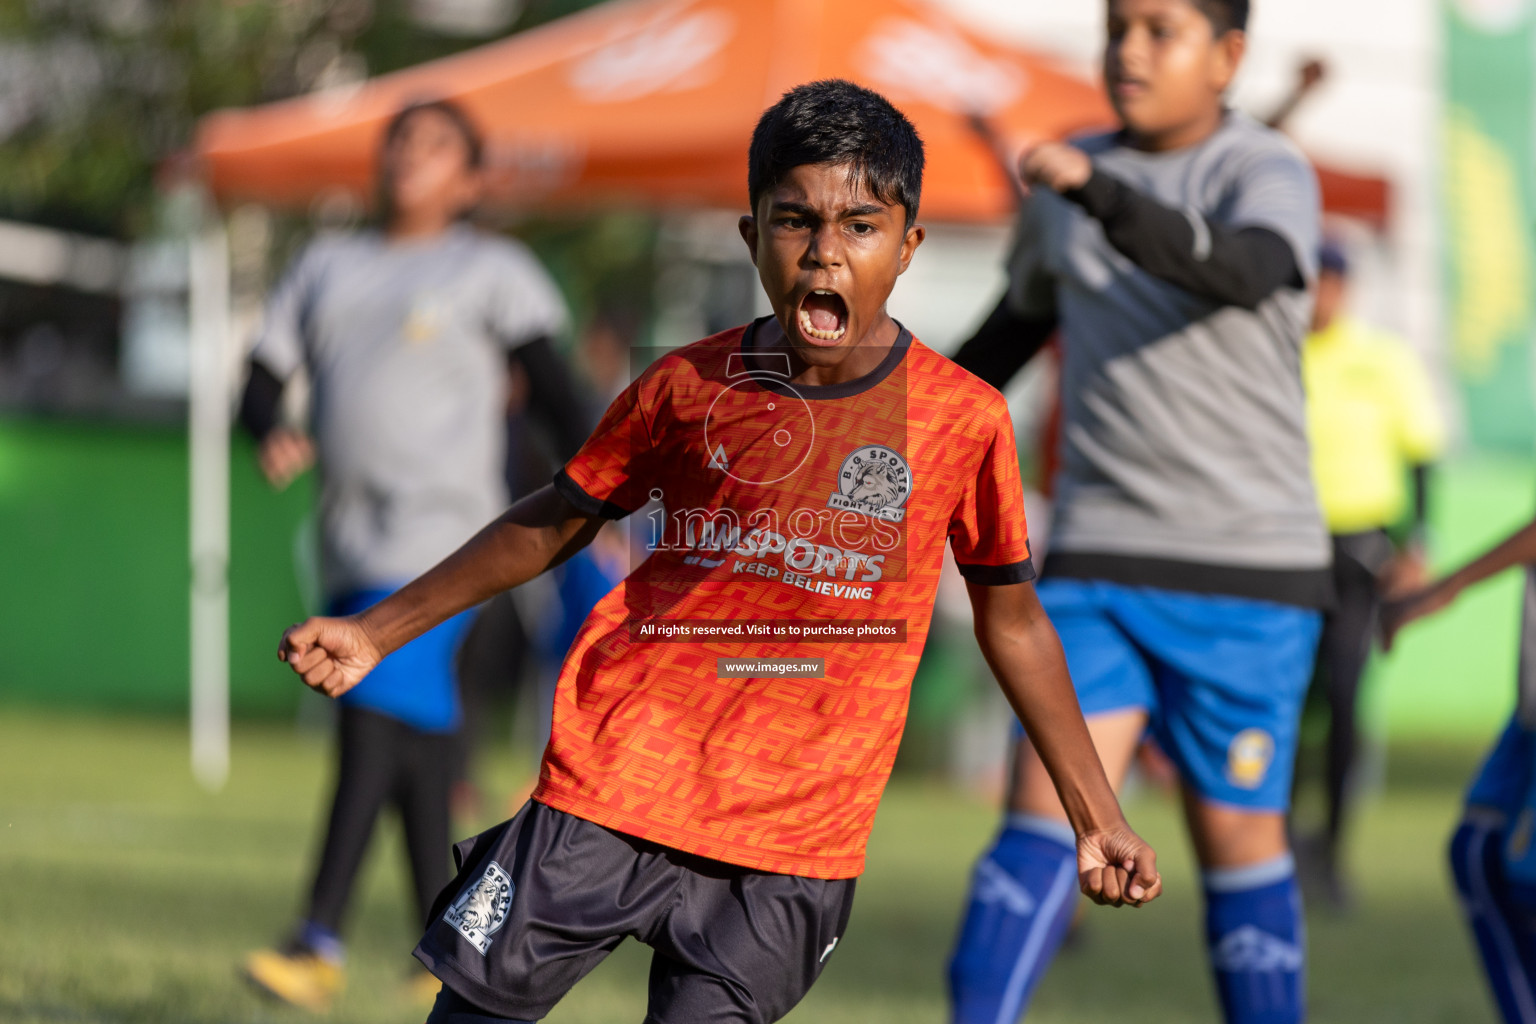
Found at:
<point>1225,15</point>
<point>834,122</point>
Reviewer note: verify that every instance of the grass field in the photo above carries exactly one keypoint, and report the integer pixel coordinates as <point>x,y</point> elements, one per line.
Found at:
<point>127,895</point>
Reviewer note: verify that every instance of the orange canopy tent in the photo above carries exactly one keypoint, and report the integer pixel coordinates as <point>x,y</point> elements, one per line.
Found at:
<point>653,102</point>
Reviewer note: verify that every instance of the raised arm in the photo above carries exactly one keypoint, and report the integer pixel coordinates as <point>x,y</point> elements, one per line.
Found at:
<point>538,533</point>
<point>1236,266</point>
<point>1115,866</point>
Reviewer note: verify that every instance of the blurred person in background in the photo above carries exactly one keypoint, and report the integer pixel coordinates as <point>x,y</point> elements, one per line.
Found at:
<point>1188,560</point>
<point>505,654</point>
<point>603,357</point>
<point>405,332</point>
<point>1375,425</point>
<point>520,638</point>
<point>1493,861</point>
<point>604,350</point>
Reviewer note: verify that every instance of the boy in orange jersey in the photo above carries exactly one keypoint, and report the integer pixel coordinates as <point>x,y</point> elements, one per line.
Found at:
<point>728,716</point>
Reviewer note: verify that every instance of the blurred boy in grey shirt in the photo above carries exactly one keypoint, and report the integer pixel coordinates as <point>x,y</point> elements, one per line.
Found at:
<point>405,333</point>
<point>1188,561</point>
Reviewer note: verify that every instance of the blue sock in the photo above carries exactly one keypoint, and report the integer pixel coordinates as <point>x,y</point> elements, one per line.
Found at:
<point>1022,897</point>
<point>323,942</point>
<point>1257,942</point>
<point>1502,918</point>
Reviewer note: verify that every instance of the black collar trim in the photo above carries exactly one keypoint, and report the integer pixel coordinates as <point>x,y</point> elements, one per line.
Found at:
<point>771,381</point>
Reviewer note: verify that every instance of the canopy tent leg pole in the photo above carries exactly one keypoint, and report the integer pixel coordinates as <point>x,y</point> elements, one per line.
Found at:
<point>208,444</point>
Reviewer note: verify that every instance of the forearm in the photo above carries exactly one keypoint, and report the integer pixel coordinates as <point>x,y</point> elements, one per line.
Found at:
<point>1237,267</point>
<point>1031,670</point>
<point>534,535</point>
<point>1004,343</point>
<point>1518,549</point>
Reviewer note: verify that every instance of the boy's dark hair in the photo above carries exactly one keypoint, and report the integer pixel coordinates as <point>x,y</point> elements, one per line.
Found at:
<point>1225,15</point>
<point>834,122</point>
<point>474,145</point>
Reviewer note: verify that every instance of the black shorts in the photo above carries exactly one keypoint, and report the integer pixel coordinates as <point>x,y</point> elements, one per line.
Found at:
<point>540,900</point>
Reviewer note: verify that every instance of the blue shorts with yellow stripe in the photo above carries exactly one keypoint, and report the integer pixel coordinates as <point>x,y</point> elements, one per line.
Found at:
<point>1222,679</point>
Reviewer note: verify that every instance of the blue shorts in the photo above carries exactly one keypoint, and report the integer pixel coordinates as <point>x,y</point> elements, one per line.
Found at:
<point>1504,783</point>
<point>1504,795</point>
<point>417,684</point>
<point>1221,678</point>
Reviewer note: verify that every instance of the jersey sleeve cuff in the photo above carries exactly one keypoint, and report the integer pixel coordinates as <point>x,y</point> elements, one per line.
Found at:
<point>583,502</point>
<point>998,575</point>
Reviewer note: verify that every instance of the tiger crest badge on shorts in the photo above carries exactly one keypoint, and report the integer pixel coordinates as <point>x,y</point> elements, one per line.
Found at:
<point>875,481</point>
<point>481,910</point>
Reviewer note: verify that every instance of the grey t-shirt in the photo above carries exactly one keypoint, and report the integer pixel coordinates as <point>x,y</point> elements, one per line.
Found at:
<point>405,344</point>
<point>1183,421</point>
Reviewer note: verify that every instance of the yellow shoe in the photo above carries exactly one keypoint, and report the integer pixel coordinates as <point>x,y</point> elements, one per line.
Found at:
<point>422,989</point>
<point>296,976</point>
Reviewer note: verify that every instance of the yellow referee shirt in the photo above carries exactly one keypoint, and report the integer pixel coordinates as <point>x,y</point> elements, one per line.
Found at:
<point>1371,415</point>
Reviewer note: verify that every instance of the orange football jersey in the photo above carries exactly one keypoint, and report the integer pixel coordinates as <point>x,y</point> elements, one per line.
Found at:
<point>782,522</point>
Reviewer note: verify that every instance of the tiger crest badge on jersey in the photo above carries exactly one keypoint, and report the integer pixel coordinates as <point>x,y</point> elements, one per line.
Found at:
<point>875,481</point>
<point>481,910</point>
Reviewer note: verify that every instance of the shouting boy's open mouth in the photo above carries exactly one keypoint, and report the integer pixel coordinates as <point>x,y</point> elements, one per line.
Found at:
<point>823,317</point>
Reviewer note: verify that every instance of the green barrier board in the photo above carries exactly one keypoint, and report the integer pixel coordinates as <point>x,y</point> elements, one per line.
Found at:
<point>93,586</point>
